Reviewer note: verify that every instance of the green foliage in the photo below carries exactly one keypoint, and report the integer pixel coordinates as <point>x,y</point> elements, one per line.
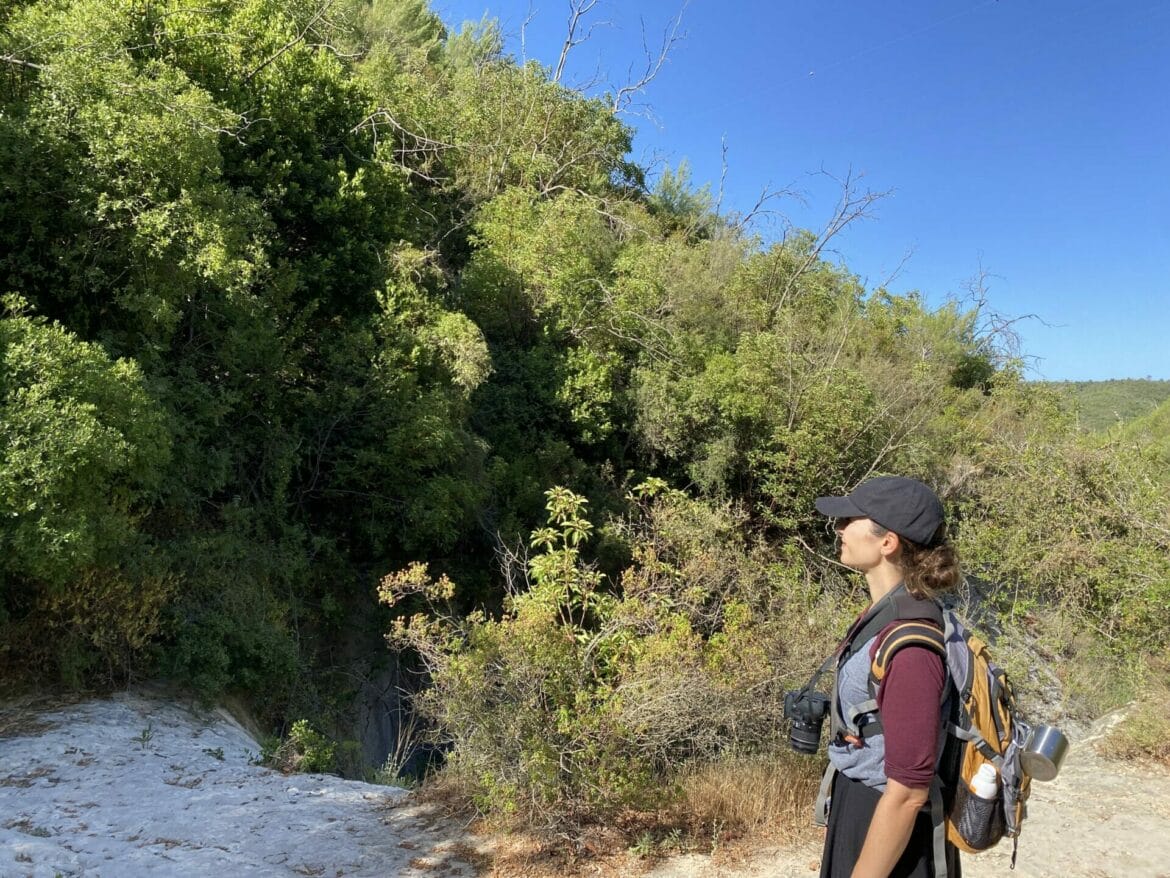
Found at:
<point>1058,519</point>
<point>230,625</point>
<point>584,697</point>
<point>1149,436</point>
<point>303,751</point>
<point>396,30</point>
<point>84,449</point>
<point>1104,404</point>
<point>771,378</point>
<point>536,286</point>
<point>190,192</point>
<point>680,206</point>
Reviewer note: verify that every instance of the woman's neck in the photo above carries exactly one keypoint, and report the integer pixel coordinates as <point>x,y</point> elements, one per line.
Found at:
<point>882,580</point>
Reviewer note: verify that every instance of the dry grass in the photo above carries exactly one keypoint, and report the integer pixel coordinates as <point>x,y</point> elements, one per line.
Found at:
<point>768,794</point>
<point>1144,735</point>
<point>729,808</point>
<point>21,717</point>
<point>22,724</point>
<point>444,794</point>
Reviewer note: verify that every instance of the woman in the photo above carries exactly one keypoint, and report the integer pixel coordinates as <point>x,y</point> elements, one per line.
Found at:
<point>892,530</point>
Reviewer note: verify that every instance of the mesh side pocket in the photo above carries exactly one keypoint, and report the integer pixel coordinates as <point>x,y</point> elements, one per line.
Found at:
<point>979,822</point>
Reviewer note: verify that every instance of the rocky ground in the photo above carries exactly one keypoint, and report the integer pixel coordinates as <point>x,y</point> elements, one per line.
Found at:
<point>140,785</point>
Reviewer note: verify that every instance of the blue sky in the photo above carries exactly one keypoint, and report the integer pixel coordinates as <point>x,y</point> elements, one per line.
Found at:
<point>1028,140</point>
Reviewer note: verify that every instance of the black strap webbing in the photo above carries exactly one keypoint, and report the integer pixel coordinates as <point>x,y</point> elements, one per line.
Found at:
<point>897,604</point>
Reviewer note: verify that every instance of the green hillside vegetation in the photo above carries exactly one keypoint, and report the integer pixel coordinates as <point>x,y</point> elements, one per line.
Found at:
<point>1150,434</point>
<point>324,321</point>
<point>1104,404</point>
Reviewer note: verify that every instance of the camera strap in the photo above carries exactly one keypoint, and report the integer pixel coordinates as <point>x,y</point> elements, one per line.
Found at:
<point>818,673</point>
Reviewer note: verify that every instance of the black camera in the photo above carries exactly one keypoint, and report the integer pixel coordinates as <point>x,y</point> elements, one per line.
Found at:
<point>806,710</point>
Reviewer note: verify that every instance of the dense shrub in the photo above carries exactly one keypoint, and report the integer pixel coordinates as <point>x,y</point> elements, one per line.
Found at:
<point>84,450</point>
<point>1055,519</point>
<point>586,695</point>
<point>304,750</point>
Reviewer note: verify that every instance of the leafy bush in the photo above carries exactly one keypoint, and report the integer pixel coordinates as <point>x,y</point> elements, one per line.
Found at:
<point>585,696</point>
<point>84,448</point>
<point>304,751</point>
<point>1058,520</point>
<point>84,445</point>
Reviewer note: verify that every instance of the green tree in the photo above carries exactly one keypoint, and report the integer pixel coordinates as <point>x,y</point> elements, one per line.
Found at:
<point>85,453</point>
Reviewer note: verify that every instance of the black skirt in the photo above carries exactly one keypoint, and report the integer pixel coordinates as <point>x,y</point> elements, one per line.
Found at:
<point>851,810</point>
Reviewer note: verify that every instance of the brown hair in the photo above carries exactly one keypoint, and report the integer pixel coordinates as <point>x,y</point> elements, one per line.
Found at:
<point>927,570</point>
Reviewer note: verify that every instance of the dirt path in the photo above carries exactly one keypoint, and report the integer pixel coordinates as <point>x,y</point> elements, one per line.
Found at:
<point>1098,819</point>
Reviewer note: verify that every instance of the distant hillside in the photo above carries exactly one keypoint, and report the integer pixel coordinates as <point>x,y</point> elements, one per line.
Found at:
<point>1104,404</point>
<point>1151,431</point>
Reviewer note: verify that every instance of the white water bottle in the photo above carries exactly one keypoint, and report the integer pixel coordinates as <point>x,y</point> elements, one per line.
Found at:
<point>985,784</point>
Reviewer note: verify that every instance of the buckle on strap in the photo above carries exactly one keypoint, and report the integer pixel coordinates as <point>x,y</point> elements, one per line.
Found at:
<point>854,741</point>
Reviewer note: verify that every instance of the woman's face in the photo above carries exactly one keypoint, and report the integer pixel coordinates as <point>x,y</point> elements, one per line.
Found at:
<point>861,548</point>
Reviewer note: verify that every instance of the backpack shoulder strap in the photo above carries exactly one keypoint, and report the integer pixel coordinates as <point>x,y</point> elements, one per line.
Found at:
<point>898,604</point>
<point>914,633</point>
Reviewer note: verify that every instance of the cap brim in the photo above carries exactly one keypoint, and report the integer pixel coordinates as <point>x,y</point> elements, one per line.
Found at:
<point>838,507</point>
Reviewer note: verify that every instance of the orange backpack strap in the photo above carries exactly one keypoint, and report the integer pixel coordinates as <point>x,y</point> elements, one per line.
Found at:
<point>913,633</point>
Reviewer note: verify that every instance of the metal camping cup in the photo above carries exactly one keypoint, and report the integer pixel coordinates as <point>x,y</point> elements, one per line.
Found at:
<point>1043,752</point>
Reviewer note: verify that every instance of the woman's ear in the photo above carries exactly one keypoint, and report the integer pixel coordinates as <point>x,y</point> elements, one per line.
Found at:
<point>890,545</point>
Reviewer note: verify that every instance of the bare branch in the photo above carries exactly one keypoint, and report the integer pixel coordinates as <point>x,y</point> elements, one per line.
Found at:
<point>382,115</point>
<point>893,275</point>
<point>595,79</point>
<point>524,33</point>
<point>767,194</point>
<point>830,561</point>
<point>672,35</point>
<point>852,206</point>
<point>513,565</point>
<point>20,62</point>
<point>578,9</point>
<point>722,173</point>
<point>410,144</point>
<point>993,328</point>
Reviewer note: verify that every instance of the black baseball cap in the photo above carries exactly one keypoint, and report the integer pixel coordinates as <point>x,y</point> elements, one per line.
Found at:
<point>906,506</point>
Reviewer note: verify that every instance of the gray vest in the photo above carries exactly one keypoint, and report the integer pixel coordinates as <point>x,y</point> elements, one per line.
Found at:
<point>868,762</point>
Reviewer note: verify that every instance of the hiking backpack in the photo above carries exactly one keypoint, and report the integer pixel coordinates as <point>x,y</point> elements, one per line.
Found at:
<point>982,721</point>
